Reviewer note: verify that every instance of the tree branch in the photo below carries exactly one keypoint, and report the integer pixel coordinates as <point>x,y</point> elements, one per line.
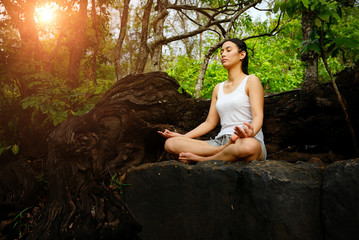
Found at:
<point>199,30</point>
<point>239,13</point>
<point>121,38</point>
<point>273,32</point>
<point>264,10</point>
<point>339,96</point>
<point>142,57</point>
<point>211,50</point>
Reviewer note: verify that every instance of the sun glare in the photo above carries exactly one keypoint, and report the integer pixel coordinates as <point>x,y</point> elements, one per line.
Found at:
<point>46,14</point>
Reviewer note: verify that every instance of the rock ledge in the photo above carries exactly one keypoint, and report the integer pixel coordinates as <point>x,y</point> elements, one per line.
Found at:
<point>258,200</point>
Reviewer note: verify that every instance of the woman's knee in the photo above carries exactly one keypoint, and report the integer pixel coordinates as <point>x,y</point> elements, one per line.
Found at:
<point>171,145</point>
<point>248,149</point>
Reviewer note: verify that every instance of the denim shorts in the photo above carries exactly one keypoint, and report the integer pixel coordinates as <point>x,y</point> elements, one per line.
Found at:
<point>222,140</point>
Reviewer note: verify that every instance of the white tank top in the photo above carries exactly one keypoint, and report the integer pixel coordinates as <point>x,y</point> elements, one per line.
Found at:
<point>234,109</point>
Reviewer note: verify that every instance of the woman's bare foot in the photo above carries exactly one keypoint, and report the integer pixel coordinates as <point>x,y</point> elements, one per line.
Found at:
<point>231,140</point>
<point>189,157</point>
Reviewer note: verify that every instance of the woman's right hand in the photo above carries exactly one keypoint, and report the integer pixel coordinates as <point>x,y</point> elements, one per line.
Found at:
<point>246,131</point>
<point>169,134</point>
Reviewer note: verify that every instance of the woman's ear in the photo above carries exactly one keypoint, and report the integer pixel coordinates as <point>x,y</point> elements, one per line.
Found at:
<point>242,55</point>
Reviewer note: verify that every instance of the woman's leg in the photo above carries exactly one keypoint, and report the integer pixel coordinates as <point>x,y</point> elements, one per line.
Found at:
<point>176,145</point>
<point>245,149</point>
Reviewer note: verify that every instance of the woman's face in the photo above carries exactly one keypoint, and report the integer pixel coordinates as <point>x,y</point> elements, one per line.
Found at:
<point>230,56</point>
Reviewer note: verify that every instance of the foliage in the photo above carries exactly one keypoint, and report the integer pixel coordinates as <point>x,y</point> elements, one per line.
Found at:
<point>117,184</point>
<point>323,40</point>
<point>214,75</point>
<point>52,103</point>
<point>34,91</point>
<point>42,177</point>
<point>23,227</point>
<point>336,21</point>
<point>276,60</point>
<point>58,102</point>
<point>14,149</point>
<point>185,70</point>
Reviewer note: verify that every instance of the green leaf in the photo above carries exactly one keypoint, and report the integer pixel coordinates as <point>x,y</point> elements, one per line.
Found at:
<point>15,149</point>
<point>315,46</point>
<point>318,22</point>
<point>26,102</point>
<point>305,3</point>
<point>336,16</point>
<point>324,16</point>
<point>35,83</point>
<point>313,5</point>
<point>343,41</point>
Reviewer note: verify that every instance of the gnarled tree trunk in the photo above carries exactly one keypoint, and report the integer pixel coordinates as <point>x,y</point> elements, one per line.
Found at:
<point>87,151</point>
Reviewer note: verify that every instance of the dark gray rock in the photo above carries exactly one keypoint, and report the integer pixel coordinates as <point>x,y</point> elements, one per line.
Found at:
<point>281,201</point>
<point>217,200</point>
<point>341,200</point>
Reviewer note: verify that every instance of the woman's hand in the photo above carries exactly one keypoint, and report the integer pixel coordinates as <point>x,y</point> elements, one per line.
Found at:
<point>247,130</point>
<point>169,134</point>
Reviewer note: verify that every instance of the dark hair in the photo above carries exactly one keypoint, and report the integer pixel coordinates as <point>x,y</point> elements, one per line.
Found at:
<point>241,47</point>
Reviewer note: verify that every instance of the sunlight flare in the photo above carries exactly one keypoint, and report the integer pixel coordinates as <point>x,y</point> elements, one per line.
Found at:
<point>46,14</point>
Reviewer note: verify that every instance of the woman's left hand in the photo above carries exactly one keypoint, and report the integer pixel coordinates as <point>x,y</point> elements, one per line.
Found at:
<point>247,130</point>
<point>169,134</point>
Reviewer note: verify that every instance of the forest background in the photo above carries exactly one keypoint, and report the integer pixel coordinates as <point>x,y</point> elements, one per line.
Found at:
<point>57,58</point>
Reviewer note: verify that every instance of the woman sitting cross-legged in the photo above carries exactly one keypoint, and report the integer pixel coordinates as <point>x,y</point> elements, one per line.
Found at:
<point>238,104</point>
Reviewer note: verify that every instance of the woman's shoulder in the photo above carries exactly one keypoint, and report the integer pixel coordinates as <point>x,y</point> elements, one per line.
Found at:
<point>253,80</point>
<point>253,83</point>
<point>253,77</point>
<point>216,89</point>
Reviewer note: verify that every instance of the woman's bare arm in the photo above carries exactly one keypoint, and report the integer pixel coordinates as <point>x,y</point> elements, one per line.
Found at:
<point>255,92</point>
<point>205,127</point>
<point>211,121</point>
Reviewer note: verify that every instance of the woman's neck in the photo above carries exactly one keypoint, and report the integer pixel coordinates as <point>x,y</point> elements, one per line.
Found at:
<point>235,75</point>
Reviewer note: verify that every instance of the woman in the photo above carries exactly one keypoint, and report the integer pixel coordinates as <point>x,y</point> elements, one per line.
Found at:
<point>238,104</point>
